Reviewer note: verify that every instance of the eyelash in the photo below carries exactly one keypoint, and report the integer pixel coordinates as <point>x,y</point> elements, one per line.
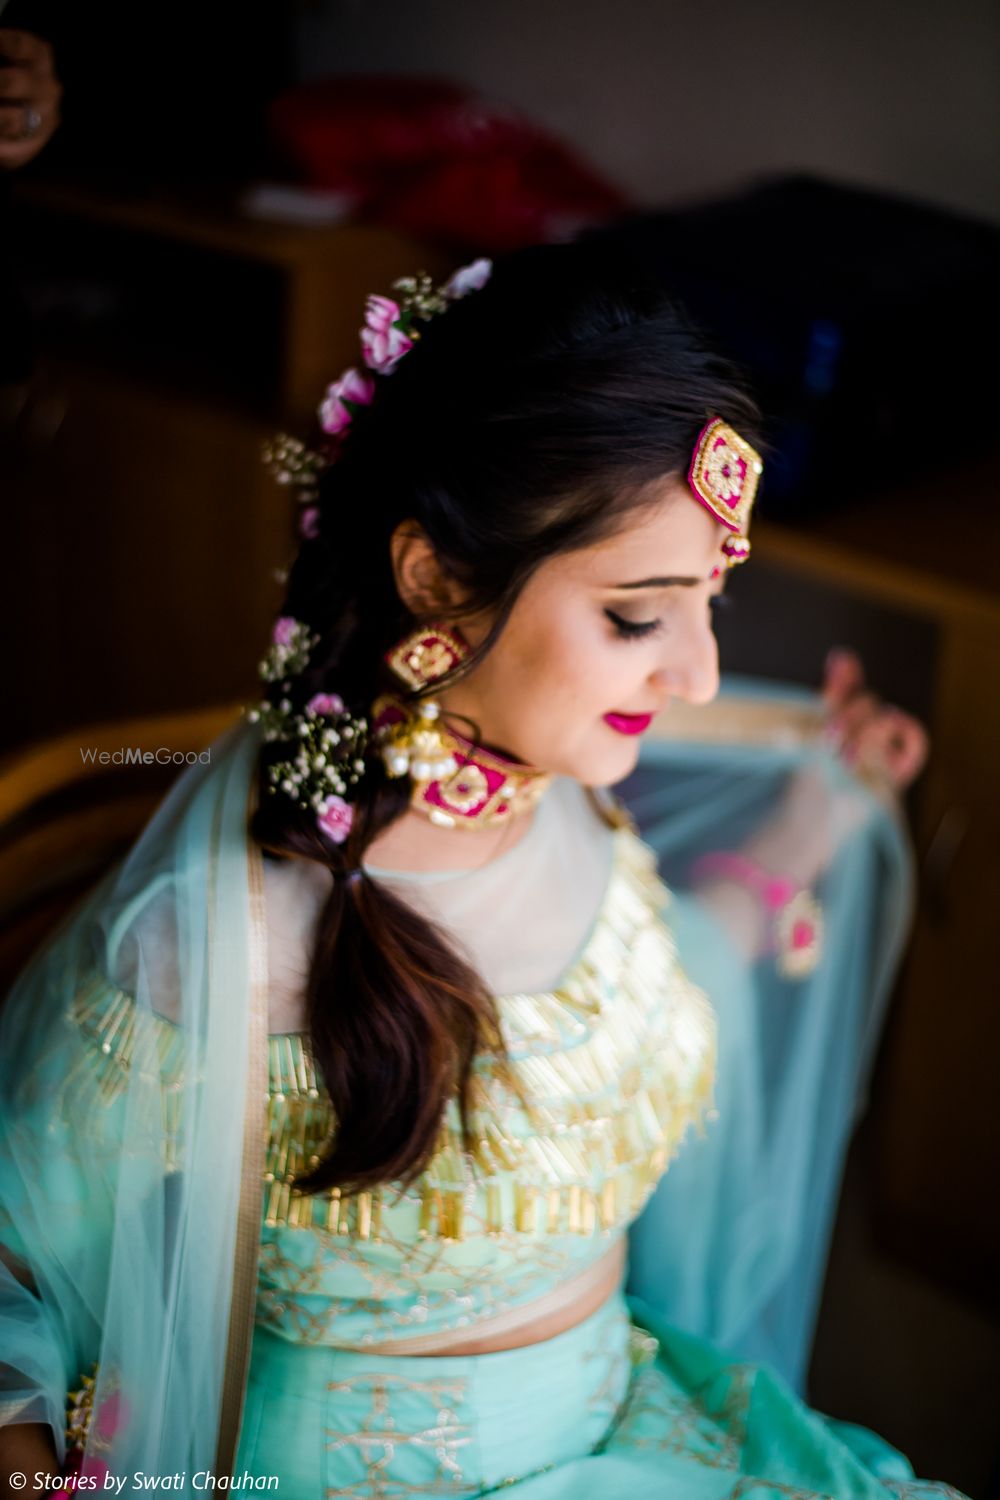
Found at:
<point>632,630</point>
<point>636,630</point>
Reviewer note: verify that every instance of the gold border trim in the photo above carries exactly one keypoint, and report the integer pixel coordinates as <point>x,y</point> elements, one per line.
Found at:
<point>246,1257</point>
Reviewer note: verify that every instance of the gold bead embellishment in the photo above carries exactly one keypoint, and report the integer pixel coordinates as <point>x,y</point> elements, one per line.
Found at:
<point>80,1410</point>
<point>616,1064</point>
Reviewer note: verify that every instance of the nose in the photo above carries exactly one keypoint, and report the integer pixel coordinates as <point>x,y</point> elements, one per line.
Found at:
<point>692,673</point>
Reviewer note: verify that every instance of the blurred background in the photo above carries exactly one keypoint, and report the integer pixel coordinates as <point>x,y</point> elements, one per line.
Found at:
<point>183,268</point>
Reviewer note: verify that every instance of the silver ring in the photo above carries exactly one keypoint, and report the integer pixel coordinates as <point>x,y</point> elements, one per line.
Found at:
<point>32,122</point>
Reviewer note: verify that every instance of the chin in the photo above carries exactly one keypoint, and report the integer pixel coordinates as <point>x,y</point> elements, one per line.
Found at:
<point>605,767</point>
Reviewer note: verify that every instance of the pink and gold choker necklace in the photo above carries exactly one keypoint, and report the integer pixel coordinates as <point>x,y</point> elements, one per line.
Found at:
<point>456,783</point>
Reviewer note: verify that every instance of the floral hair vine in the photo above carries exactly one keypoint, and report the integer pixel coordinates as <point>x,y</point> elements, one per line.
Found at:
<point>389,332</point>
<point>328,758</point>
<point>328,743</point>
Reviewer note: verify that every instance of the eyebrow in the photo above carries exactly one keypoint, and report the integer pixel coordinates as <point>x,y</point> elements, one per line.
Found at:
<point>659,583</point>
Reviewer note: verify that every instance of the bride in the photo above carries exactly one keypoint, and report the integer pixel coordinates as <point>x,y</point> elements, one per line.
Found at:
<point>336,1117</point>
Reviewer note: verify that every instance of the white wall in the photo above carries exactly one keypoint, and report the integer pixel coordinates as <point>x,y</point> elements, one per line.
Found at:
<point>681,100</point>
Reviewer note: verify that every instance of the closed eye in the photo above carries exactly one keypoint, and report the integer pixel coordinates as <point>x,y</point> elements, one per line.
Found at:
<point>632,630</point>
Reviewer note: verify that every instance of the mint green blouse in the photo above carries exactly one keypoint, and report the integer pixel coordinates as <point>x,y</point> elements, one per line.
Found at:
<point>614,1064</point>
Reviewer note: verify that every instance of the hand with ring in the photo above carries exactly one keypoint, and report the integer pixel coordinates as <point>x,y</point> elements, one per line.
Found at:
<point>29,97</point>
<point>867,734</point>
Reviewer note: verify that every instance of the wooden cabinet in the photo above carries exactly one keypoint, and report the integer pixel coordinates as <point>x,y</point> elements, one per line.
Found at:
<point>918,596</point>
<point>142,531</point>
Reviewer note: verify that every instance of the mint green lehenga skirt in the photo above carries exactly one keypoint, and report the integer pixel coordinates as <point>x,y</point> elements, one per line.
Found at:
<point>622,1405</point>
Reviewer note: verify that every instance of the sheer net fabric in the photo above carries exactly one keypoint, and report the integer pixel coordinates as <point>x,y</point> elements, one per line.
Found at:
<point>520,919</point>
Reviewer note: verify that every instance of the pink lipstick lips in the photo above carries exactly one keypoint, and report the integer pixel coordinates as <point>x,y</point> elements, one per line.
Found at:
<point>629,723</point>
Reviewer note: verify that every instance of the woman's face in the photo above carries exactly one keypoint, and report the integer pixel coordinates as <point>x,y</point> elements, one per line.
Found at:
<point>598,641</point>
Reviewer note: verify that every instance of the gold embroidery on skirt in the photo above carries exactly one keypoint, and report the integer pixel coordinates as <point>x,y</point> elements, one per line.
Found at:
<point>378,1438</point>
<point>708,1424</point>
<point>614,1351</point>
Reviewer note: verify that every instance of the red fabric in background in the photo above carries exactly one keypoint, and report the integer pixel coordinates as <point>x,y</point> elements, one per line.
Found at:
<point>428,157</point>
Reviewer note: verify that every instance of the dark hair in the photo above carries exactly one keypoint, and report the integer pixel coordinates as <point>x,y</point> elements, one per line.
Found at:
<point>526,421</point>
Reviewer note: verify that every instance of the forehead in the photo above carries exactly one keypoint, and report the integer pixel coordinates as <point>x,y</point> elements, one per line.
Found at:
<point>670,534</point>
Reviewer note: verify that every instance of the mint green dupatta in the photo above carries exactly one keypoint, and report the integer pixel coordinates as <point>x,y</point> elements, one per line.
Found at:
<point>126,1194</point>
<point>732,1247</point>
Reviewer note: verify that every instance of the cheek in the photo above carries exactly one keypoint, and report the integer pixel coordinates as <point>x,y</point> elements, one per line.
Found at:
<point>575,654</point>
<point>540,650</point>
<point>559,669</point>
<point>582,668</point>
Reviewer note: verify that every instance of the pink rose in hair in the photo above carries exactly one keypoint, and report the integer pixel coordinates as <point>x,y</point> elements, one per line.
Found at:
<point>284,630</point>
<point>354,388</point>
<point>325,703</point>
<point>469,278</point>
<point>383,344</point>
<point>335,818</point>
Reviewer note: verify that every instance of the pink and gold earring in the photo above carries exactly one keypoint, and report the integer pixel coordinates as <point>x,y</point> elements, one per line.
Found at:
<point>427,654</point>
<point>456,783</point>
